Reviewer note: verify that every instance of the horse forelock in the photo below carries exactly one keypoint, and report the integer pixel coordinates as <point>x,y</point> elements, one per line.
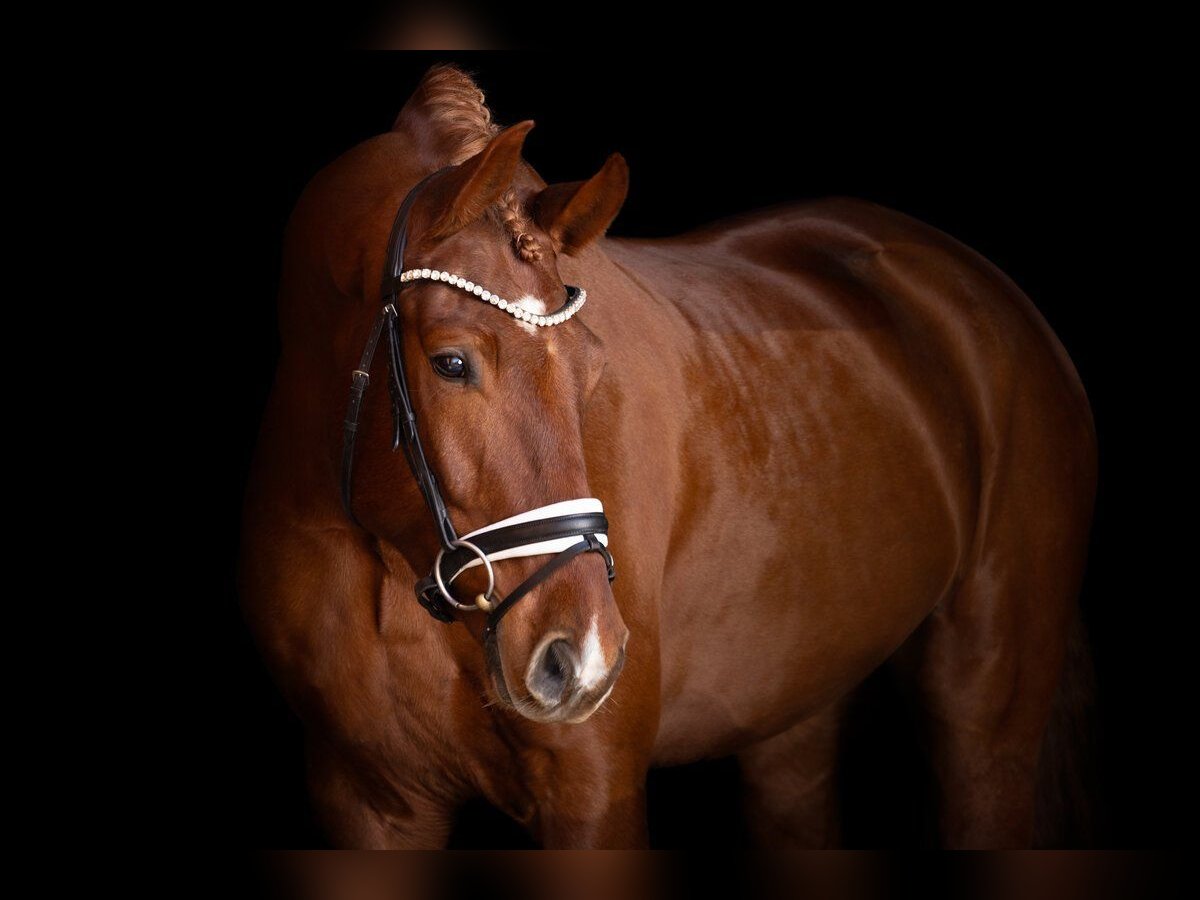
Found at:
<point>449,106</point>
<point>449,119</point>
<point>338,229</point>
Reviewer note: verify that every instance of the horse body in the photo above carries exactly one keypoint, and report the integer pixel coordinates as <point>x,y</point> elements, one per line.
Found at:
<point>828,391</point>
<point>822,433</point>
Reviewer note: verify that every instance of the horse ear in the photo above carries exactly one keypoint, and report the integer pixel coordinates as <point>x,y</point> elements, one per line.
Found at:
<point>461,196</point>
<point>576,213</point>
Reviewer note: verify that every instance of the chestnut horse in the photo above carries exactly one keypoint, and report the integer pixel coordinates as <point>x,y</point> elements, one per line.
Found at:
<point>825,437</point>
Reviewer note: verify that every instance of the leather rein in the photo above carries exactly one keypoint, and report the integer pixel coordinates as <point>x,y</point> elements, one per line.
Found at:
<point>565,529</point>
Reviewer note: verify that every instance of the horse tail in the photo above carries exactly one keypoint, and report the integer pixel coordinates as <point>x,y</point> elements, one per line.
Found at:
<point>1066,810</point>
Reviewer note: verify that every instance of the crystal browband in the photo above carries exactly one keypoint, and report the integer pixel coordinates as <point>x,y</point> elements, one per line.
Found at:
<point>576,297</point>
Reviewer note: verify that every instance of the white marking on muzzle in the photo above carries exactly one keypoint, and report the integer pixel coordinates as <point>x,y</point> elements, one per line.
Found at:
<point>592,667</point>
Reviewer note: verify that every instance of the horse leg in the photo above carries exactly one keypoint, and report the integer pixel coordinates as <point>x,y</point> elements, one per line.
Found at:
<point>985,667</point>
<point>790,784</point>
<point>356,816</point>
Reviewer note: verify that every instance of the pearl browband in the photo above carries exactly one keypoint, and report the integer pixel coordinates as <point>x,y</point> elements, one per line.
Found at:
<point>576,297</point>
<point>536,547</point>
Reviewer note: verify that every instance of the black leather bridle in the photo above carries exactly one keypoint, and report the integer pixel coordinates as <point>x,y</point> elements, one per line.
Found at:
<point>457,554</point>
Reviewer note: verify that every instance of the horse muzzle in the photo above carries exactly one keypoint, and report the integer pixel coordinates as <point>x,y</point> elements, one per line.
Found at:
<point>568,683</point>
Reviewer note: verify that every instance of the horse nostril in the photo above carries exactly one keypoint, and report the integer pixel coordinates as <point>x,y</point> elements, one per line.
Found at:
<point>552,673</point>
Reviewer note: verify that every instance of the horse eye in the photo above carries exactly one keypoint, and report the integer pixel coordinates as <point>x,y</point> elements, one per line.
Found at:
<point>449,365</point>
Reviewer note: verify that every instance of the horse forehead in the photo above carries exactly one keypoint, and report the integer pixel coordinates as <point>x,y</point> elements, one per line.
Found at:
<point>493,266</point>
<point>542,365</point>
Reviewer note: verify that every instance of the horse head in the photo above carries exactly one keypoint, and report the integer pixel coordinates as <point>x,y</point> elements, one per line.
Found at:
<point>498,372</point>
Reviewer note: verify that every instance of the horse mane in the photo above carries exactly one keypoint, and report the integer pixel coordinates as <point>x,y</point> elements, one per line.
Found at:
<point>451,112</point>
<point>455,109</point>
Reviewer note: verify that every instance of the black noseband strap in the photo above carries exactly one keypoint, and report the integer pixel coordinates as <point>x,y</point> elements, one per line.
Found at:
<point>501,539</point>
<point>589,544</point>
<point>585,526</point>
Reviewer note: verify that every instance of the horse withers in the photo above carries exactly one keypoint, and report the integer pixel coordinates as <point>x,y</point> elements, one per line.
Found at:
<point>807,442</point>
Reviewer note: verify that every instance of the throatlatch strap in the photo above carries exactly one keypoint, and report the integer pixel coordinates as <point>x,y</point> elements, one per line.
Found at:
<point>358,387</point>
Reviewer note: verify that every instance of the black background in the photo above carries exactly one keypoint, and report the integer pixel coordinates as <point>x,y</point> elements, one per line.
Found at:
<point>1027,175</point>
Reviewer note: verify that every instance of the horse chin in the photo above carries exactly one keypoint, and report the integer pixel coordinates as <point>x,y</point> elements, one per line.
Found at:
<point>591,708</point>
<point>571,714</point>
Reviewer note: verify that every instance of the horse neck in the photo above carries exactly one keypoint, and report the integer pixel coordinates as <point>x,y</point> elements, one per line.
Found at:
<point>627,310</point>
